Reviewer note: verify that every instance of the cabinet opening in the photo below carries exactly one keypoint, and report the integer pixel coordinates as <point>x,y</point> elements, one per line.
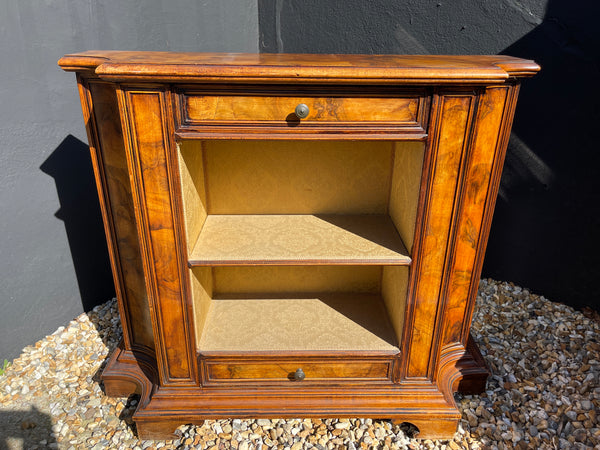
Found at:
<point>299,245</point>
<point>299,308</point>
<point>300,202</point>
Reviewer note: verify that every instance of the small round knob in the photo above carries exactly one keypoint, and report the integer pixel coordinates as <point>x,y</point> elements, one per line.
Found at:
<point>299,375</point>
<point>301,111</point>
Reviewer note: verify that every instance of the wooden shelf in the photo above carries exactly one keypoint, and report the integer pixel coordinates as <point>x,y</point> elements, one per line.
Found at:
<point>298,240</point>
<point>310,322</point>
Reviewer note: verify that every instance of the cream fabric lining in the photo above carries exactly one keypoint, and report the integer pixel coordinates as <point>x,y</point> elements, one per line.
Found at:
<point>193,192</point>
<point>295,238</point>
<point>379,180</point>
<point>406,185</point>
<point>394,285</point>
<point>339,322</point>
<point>297,177</point>
<point>353,291</point>
<point>201,281</point>
<point>283,280</point>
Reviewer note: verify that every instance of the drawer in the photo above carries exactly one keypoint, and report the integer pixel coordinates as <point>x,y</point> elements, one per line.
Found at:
<point>366,109</point>
<point>286,371</point>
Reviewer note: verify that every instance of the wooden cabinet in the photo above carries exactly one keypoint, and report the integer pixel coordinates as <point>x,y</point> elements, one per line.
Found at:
<point>296,235</point>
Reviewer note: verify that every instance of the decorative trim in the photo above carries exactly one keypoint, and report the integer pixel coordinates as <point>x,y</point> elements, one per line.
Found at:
<point>422,261</point>
<point>139,186</point>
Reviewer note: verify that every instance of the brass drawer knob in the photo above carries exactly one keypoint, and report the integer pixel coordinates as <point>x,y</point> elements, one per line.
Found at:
<point>301,111</point>
<point>299,375</point>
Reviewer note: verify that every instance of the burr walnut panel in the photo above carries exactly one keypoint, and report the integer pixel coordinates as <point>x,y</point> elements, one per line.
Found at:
<point>255,110</point>
<point>149,154</point>
<point>320,370</point>
<point>110,168</point>
<point>474,193</point>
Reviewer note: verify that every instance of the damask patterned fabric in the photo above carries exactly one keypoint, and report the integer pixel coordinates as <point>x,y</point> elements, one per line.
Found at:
<point>323,322</point>
<point>299,237</point>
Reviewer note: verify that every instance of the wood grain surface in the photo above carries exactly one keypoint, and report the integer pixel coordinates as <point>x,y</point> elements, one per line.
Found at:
<point>257,109</point>
<point>99,102</point>
<point>447,148</point>
<point>475,189</point>
<point>156,222</point>
<point>297,68</point>
<point>315,371</point>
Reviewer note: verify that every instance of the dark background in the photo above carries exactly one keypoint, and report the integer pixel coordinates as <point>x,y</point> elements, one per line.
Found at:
<point>54,265</point>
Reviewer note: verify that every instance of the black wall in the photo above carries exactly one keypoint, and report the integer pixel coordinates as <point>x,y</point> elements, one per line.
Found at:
<point>54,263</point>
<point>53,257</point>
<point>546,229</point>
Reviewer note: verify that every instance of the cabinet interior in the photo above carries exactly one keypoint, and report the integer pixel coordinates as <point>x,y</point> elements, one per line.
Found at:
<point>299,245</point>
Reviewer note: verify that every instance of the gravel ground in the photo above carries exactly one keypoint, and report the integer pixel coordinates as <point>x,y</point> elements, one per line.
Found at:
<point>544,391</point>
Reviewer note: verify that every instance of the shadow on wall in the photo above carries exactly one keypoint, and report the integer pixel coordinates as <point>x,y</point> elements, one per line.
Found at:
<point>326,26</point>
<point>25,429</point>
<point>546,229</point>
<point>70,166</point>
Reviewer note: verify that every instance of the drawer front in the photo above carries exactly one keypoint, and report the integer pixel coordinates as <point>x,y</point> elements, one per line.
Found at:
<point>321,109</point>
<point>285,371</point>
<point>364,111</point>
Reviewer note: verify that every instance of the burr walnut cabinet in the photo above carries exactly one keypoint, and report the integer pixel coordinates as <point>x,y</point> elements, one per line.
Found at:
<point>296,235</point>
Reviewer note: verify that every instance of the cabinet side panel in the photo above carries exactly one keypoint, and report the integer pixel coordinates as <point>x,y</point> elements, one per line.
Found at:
<point>153,163</point>
<point>476,198</point>
<point>429,259</point>
<point>394,283</point>
<point>123,239</point>
<point>193,192</point>
<point>404,194</point>
<point>201,280</point>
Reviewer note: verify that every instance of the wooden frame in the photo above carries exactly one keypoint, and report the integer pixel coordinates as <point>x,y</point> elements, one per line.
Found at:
<point>164,126</point>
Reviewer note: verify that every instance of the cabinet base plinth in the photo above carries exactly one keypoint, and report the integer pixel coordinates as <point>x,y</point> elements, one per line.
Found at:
<point>162,428</point>
<point>128,373</point>
<point>474,371</point>
<point>429,407</point>
<point>434,428</point>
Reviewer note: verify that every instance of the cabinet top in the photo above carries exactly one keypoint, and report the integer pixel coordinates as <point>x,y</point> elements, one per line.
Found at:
<point>297,68</point>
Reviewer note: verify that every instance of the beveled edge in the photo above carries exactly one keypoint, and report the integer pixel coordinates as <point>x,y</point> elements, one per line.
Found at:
<point>80,62</point>
<point>298,68</point>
